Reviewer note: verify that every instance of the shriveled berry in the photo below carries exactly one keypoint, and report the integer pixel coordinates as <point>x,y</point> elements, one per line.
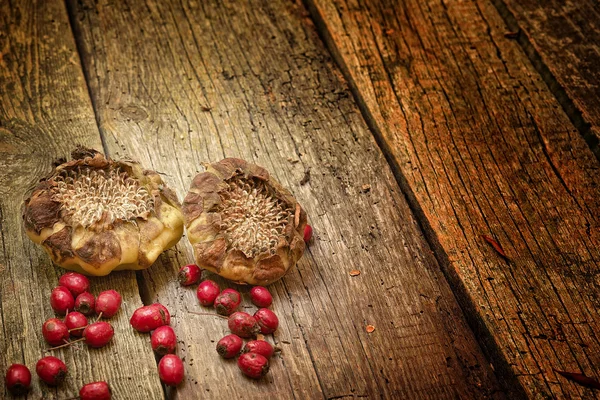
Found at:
<point>108,303</point>
<point>18,379</point>
<point>260,296</point>
<point>243,324</point>
<point>261,347</point>
<point>98,334</point>
<point>163,340</point>
<point>85,303</point>
<point>76,322</point>
<point>227,301</point>
<point>170,370</point>
<point>51,370</point>
<point>253,365</point>
<point>189,275</point>
<point>267,320</point>
<point>207,292</point>
<point>308,232</point>
<point>55,332</point>
<point>148,318</point>
<point>229,346</point>
<point>76,283</point>
<point>61,300</point>
<point>95,391</point>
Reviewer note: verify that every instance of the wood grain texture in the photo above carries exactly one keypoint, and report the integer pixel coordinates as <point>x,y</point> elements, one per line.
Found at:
<point>180,83</point>
<point>561,38</point>
<point>45,110</point>
<point>481,146</point>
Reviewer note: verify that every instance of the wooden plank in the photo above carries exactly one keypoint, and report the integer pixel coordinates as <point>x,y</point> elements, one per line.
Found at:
<point>44,110</point>
<point>481,146</point>
<point>561,39</point>
<point>180,83</point>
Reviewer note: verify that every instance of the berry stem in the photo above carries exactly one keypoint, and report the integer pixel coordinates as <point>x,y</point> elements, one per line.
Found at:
<point>65,345</point>
<point>76,329</point>
<point>99,316</point>
<point>205,313</point>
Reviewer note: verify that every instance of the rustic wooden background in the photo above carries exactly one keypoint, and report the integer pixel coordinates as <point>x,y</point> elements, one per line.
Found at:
<point>424,125</point>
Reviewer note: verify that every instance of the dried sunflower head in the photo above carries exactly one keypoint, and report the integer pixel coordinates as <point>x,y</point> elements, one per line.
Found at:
<point>95,215</point>
<point>242,224</point>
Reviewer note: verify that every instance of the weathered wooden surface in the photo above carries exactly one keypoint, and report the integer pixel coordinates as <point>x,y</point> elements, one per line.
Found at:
<point>180,83</point>
<point>562,40</point>
<point>480,146</point>
<point>44,110</point>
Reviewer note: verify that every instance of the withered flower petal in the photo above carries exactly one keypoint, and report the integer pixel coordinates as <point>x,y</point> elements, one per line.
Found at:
<point>242,224</point>
<point>95,215</point>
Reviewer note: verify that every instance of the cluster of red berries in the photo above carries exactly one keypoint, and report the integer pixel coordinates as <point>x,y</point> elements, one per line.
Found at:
<point>155,318</point>
<point>254,362</point>
<point>72,293</point>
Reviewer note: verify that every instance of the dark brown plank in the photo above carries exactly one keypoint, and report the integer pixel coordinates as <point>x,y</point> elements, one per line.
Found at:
<point>44,110</point>
<point>481,146</point>
<point>562,40</point>
<point>180,83</point>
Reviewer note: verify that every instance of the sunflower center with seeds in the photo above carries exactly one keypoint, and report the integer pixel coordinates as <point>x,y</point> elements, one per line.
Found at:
<point>92,197</point>
<point>253,219</point>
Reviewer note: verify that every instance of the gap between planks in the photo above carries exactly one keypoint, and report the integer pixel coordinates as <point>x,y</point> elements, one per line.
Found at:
<point>558,90</point>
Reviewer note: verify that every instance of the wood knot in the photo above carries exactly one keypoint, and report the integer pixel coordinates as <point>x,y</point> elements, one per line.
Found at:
<point>134,113</point>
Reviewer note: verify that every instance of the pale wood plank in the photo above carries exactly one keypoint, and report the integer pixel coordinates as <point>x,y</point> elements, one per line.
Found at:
<point>179,83</point>
<point>45,110</point>
<point>482,147</point>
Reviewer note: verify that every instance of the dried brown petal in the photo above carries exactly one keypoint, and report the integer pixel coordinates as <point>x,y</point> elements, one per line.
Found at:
<point>100,249</point>
<point>495,245</point>
<point>580,379</point>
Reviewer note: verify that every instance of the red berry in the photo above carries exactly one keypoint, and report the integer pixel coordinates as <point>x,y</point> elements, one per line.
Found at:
<point>108,303</point>
<point>75,320</point>
<point>243,324</point>
<point>227,301</point>
<point>163,340</point>
<point>207,292</point>
<point>261,347</point>
<point>229,346</point>
<point>267,320</point>
<point>189,275</point>
<point>61,300</point>
<point>98,334</point>
<point>76,283</point>
<point>18,379</point>
<point>148,318</point>
<point>95,391</point>
<point>85,303</point>
<point>55,332</point>
<point>170,370</point>
<point>51,370</point>
<point>253,365</point>
<point>308,232</point>
<point>260,296</point>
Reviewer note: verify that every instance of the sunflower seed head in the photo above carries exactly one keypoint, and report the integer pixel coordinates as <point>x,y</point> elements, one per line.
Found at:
<point>98,198</point>
<point>253,218</point>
